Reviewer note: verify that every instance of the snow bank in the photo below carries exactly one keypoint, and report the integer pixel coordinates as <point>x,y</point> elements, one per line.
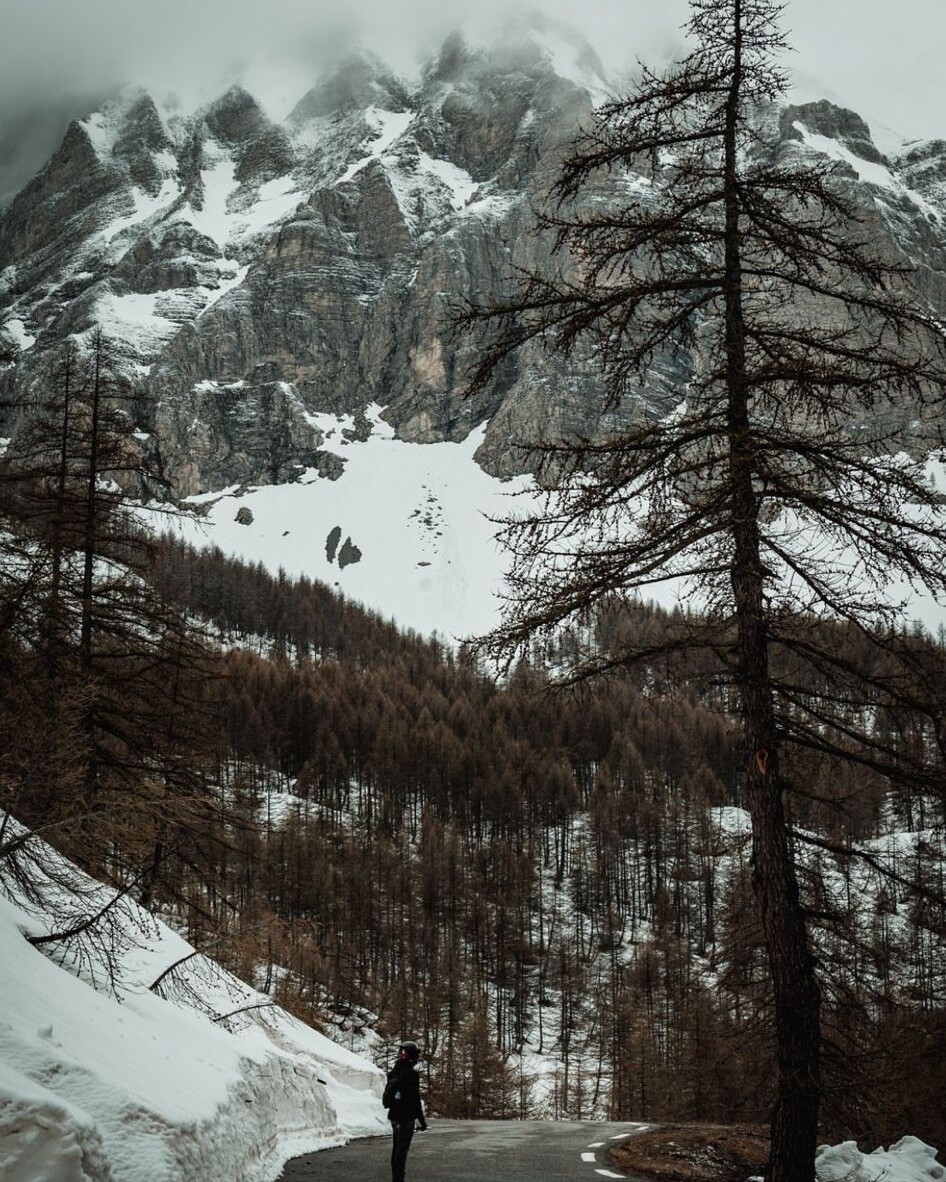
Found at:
<point>104,1080</point>
<point>43,1138</point>
<point>909,1160</point>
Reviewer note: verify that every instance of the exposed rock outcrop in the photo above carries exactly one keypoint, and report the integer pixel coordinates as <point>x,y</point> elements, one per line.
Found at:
<point>255,276</point>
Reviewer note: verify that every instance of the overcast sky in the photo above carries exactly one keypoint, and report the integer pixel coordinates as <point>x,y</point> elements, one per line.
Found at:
<point>884,59</point>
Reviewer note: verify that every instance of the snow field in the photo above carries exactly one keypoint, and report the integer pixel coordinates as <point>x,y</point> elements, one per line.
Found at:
<point>417,512</point>
<point>424,518</point>
<point>110,1082</point>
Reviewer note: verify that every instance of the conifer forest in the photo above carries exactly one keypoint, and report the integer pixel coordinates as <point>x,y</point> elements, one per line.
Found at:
<point>622,855</point>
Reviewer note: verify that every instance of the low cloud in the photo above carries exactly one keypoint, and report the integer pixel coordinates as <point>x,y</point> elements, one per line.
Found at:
<point>59,56</point>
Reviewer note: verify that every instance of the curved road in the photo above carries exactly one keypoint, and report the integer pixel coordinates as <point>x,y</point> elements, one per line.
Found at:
<point>476,1151</point>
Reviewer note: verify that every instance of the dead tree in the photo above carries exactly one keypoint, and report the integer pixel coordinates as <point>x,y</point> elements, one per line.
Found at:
<point>773,492</point>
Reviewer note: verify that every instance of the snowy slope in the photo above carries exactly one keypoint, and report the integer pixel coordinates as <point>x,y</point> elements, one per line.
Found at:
<point>418,514</point>
<point>423,518</point>
<point>868,172</point>
<point>103,1080</point>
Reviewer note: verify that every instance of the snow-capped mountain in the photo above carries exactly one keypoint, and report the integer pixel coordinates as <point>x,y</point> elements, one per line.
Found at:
<point>266,283</point>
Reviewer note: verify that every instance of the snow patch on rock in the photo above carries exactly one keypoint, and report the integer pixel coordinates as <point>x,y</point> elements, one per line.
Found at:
<point>388,127</point>
<point>133,319</point>
<point>17,330</point>
<point>145,208</point>
<point>457,180</point>
<point>867,171</point>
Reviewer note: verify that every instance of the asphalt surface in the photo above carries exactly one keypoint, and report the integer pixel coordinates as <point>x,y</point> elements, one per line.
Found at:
<point>476,1151</point>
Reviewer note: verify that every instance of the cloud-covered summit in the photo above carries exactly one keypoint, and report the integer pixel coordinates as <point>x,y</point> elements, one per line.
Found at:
<point>60,58</point>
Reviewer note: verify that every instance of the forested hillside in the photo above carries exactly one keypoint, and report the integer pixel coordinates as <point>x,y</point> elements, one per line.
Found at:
<point>552,890</point>
<point>496,333</point>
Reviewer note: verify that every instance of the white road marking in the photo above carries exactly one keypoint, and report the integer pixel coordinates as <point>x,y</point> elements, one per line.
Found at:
<point>621,1136</point>
<point>610,1174</point>
<point>596,1145</point>
<point>588,1157</point>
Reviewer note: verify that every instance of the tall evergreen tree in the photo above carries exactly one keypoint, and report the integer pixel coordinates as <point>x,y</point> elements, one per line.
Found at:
<point>774,487</point>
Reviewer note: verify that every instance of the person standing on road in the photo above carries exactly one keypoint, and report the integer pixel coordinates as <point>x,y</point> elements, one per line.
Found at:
<point>402,1100</point>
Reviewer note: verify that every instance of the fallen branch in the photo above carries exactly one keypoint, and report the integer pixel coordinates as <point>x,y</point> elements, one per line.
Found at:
<point>263,1005</point>
<point>170,969</point>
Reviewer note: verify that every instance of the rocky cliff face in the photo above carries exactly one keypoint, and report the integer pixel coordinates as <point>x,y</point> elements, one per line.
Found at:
<point>255,276</point>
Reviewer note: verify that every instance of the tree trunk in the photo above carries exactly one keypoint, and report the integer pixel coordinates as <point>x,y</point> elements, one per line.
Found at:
<point>55,624</point>
<point>794,1128</point>
<point>89,550</point>
<point>90,535</point>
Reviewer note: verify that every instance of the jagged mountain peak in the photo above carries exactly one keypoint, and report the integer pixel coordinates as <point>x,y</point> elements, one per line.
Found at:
<point>522,43</point>
<point>360,81</point>
<point>498,102</point>
<point>824,118</point>
<point>144,145</point>
<point>560,45</point>
<point>907,192</point>
<point>283,273</point>
<point>130,113</point>
<point>121,146</point>
<point>235,117</point>
<point>235,129</point>
<point>453,60</point>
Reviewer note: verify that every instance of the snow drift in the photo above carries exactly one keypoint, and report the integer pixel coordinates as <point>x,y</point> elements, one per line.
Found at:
<point>104,1080</point>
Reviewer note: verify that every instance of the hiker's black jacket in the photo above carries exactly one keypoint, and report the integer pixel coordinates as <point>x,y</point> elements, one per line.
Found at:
<point>406,1103</point>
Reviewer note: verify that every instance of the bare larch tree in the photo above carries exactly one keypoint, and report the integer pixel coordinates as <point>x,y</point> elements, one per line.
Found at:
<point>776,491</point>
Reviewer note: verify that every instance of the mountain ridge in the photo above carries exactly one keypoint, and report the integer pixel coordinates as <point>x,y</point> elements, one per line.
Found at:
<point>265,282</point>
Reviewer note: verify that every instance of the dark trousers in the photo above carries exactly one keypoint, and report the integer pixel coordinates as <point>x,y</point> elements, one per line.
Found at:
<point>403,1135</point>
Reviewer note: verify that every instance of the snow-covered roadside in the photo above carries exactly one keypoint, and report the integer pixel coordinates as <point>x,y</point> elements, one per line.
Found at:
<point>909,1160</point>
<point>103,1080</point>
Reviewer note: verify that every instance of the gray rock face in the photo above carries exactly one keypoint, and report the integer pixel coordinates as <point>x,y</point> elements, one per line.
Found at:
<point>923,167</point>
<point>261,150</point>
<point>141,137</point>
<point>348,554</point>
<point>331,542</point>
<point>837,123</point>
<point>172,256</point>
<point>59,203</point>
<point>253,276</point>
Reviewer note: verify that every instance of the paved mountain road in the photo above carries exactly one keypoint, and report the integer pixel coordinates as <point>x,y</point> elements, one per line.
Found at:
<point>476,1151</point>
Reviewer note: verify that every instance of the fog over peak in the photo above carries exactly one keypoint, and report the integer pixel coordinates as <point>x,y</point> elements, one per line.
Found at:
<point>60,58</point>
